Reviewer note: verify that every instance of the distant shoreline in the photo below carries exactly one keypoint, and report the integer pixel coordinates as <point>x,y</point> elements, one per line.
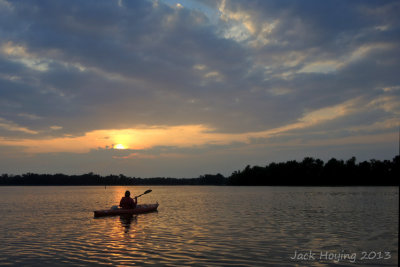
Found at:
<point>287,185</point>
<point>309,172</point>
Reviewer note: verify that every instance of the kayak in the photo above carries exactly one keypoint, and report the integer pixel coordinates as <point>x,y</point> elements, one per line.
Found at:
<point>144,208</point>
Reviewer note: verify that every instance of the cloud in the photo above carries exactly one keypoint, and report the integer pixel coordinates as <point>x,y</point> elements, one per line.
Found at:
<point>223,72</point>
<point>10,126</point>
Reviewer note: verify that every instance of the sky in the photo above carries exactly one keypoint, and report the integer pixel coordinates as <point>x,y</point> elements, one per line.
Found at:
<point>186,88</point>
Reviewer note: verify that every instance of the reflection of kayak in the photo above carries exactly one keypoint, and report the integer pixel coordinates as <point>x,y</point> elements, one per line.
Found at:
<point>138,210</point>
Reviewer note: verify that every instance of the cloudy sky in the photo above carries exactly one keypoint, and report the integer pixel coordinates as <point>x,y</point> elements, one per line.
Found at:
<point>185,88</point>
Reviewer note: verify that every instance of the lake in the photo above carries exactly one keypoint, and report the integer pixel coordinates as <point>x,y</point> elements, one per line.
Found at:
<point>201,226</point>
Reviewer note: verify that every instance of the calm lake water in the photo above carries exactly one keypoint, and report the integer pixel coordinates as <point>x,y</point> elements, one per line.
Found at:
<point>201,226</point>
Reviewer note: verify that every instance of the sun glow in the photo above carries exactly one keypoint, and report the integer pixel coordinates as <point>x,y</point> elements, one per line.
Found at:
<point>120,146</point>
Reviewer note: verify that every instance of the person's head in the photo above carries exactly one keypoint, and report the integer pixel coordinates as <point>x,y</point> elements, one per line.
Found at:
<point>127,193</point>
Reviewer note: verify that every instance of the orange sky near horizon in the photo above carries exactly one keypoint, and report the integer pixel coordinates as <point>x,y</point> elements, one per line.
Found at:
<point>146,137</point>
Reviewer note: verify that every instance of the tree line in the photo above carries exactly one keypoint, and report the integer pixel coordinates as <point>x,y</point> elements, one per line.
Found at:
<point>312,171</point>
<point>95,179</point>
<point>309,171</point>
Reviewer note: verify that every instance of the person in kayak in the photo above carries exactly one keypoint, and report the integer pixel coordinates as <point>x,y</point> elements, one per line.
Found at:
<point>127,202</point>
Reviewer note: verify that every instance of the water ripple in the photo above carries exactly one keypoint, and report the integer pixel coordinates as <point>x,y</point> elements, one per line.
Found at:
<point>197,226</point>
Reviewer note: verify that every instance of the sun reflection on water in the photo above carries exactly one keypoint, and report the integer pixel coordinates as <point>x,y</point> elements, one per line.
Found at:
<point>127,220</point>
<point>203,226</point>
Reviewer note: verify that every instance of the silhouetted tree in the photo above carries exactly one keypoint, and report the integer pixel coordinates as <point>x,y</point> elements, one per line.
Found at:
<point>312,171</point>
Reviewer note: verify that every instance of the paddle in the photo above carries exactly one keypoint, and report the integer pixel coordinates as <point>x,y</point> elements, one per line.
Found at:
<point>146,192</point>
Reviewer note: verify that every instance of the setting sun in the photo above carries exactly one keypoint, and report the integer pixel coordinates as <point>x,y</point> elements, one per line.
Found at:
<point>119,146</point>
